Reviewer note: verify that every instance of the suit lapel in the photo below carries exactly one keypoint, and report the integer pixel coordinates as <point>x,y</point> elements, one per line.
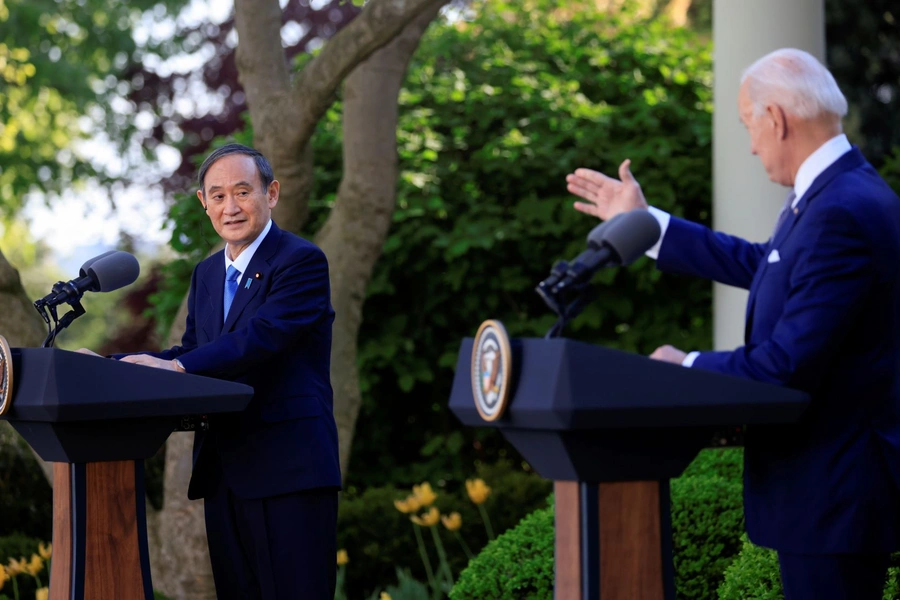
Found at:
<point>251,284</point>
<point>852,159</point>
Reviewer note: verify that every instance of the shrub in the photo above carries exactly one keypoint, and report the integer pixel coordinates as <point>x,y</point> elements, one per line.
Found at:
<point>755,574</point>
<point>727,463</point>
<point>707,522</point>
<point>518,565</point>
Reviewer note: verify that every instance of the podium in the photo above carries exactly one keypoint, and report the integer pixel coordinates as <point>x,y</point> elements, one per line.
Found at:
<point>611,428</point>
<point>97,419</point>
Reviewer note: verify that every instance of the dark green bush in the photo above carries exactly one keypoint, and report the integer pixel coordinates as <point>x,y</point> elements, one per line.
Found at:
<point>379,539</point>
<point>26,499</point>
<point>518,565</point>
<point>727,463</point>
<point>707,522</point>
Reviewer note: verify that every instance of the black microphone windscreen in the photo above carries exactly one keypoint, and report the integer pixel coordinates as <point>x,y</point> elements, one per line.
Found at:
<point>114,270</point>
<point>598,234</point>
<point>632,234</point>
<point>83,272</point>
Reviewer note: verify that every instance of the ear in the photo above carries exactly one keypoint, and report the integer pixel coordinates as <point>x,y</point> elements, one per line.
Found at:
<point>200,197</point>
<point>778,119</point>
<point>272,193</point>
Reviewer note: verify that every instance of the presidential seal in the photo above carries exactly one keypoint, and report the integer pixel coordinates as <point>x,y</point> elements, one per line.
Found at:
<point>491,370</point>
<point>6,376</point>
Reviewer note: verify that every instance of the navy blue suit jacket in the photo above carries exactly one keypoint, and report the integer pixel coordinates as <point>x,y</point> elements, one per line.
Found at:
<point>823,316</point>
<point>277,338</point>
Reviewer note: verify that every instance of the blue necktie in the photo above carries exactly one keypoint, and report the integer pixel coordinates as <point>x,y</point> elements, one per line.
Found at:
<point>231,284</point>
<point>784,212</point>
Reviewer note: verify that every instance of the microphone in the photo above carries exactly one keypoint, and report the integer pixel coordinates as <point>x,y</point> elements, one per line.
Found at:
<point>624,239</point>
<point>103,273</point>
<point>561,268</point>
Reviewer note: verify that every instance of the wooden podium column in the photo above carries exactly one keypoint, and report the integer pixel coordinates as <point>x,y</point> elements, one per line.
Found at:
<point>99,532</point>
<point>613,541</point>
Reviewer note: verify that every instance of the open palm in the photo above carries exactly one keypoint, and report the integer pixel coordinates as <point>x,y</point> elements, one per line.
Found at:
<point>605,197</point>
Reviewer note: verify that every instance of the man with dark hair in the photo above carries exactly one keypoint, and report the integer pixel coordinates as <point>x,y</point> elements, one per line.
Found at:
<point>259,312</point>
<point>823,316</point>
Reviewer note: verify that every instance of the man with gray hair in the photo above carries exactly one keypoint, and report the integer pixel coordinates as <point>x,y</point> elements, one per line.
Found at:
<point>823,316</point>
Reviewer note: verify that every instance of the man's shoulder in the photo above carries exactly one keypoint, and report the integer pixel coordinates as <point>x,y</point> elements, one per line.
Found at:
<point>291,244</point>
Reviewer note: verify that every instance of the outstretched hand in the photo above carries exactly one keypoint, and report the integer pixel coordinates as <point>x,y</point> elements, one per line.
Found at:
<point>605,196</point>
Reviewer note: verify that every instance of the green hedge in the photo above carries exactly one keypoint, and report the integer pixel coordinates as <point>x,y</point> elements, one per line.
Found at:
<point>707,523</point>
<point>754,575</point>
<point>518,565</point>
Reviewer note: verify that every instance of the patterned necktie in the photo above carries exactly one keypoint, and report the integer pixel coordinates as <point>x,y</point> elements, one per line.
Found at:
<point>231,284</point>
<point>784,212</point>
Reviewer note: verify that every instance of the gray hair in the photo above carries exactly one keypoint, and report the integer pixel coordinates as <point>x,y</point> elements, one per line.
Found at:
<point>266,176</point>
<point>797,82</point>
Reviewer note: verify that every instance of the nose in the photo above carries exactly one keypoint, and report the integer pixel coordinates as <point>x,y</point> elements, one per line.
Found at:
<point>232,207</point>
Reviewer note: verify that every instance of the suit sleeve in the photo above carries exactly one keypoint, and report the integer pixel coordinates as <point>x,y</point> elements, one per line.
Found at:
<point>296,303</point>
<point>692,249</point>
<point>828,285</point>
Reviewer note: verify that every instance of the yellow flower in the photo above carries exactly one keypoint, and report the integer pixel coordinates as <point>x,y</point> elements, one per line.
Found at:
<point>16,566</point>
<point>424,494</point>
<point>478,491</point>
<point>342,558</point>
<point>410,505</point>
<point>429,519</point>
<point>45,550</point>
<point>384,596</point>
<point>4,576</point>
<point>42,594</point>
<point>35,565</point>
<point>452,522</point>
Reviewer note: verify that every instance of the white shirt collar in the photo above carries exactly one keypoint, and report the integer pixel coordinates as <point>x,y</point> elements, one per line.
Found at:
<point>817,162</point>
<point>243,259</point>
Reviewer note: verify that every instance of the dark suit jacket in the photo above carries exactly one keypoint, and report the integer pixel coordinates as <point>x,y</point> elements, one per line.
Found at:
<point>277,339</point>
<point>823,316</point>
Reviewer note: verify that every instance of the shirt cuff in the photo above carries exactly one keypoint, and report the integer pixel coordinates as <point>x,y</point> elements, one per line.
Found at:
<point>663,218</point>
<point>689,359</point>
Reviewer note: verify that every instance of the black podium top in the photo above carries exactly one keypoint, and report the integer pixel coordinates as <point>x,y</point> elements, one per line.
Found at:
<point>587,413</point>
<point>75,407</point>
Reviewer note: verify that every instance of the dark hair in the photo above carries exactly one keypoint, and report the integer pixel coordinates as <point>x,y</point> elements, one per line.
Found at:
<point>263,167</point>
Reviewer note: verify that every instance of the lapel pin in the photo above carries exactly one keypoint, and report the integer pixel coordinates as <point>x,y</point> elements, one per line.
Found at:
<point>257,276</point>
<point>796,210</point>
<point>247,285</point>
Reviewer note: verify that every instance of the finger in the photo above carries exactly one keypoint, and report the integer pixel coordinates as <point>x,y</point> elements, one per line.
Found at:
<point>587,208</point>
<point>134,359</point>
<point>581,191</point>
<point>595,177</point>
<point>625,172</point>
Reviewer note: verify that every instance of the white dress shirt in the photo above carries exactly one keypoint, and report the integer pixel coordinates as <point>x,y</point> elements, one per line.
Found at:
<point>243,260</point>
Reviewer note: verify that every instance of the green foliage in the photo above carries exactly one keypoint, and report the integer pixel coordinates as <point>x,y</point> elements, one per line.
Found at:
<point>407,588</point>
<point>61,60</point>
<point>495,112</point>
<point>891,170</point>
<point>518,565</point>
<point>26,500</point>
<point>754,574</point>
<point>727,463</point>
<point>707,522</point>
<point>378,538</point>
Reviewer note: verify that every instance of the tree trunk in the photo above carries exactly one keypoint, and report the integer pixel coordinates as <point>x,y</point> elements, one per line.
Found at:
<point>358,225</point>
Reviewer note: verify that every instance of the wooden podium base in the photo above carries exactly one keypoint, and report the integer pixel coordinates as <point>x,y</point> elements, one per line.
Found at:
<point>100,532</point>
<point>613,541</point>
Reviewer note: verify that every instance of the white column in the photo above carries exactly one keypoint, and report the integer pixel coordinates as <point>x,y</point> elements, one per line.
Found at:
<point>745,202</point>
